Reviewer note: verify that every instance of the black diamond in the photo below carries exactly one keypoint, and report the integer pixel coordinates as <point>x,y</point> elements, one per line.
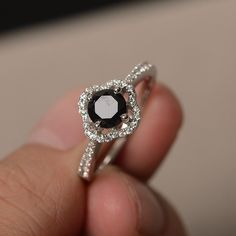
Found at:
<point>106,106</point>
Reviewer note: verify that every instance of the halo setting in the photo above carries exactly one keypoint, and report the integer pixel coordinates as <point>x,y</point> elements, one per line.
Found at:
<point>95,110</point>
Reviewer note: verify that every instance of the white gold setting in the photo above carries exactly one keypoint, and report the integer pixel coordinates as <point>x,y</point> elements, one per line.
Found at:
<point>91,130</point>
<point>130,120</point>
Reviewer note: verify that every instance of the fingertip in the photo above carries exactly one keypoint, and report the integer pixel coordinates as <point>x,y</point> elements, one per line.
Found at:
<point>170,104</point>
<point>61,126</point>
<point>108,210</point>
<point>159,126</point>
<point>120,205</point>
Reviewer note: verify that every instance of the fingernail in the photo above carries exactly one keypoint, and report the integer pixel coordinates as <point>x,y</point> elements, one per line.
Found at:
<point>61,127</point>
<point>150,219</point>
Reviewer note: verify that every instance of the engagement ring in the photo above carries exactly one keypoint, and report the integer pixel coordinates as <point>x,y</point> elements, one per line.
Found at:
<point>111,111</point>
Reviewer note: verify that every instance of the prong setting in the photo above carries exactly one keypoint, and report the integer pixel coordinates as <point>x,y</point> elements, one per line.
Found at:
<point>97,124</point>
<point>125,118</point>
<point>117,90</point>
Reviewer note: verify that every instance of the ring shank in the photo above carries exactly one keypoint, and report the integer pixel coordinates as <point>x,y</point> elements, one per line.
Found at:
<point>95,159</point>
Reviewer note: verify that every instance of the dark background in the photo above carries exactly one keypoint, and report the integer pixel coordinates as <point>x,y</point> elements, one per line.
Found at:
<point>18,15</point>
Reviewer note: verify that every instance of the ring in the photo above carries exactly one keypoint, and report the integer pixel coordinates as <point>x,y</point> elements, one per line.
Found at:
<point>111,111</point>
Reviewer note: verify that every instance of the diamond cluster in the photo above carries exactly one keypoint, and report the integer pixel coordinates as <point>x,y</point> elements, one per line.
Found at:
<point>95,134</point>
<point>141,71</point>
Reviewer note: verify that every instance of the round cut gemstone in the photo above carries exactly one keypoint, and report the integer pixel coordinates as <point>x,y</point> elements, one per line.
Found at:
<point>107,107</point>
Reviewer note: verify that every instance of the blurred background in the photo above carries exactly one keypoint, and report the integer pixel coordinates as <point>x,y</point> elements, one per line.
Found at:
<point>44,52</point>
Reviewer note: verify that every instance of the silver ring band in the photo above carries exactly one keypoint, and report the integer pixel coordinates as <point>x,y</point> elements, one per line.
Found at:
<point>95,157</point>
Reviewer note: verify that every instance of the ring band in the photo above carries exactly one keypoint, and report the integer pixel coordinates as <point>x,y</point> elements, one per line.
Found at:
<point>111,111</point>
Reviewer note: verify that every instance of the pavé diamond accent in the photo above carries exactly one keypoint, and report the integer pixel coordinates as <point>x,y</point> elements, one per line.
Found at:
<point>87,165</point>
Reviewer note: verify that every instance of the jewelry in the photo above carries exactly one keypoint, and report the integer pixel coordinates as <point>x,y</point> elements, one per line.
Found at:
<point>111,111</point>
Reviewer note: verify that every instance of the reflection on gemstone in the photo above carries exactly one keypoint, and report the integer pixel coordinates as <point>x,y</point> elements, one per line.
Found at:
<point>106,106</point>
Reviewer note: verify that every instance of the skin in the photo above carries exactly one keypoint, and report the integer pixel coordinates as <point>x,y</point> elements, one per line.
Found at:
<point>41,194</point>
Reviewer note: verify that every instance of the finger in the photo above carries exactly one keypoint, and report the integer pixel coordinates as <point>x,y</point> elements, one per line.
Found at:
<point>40,192</point>
<point>120,205</point>
<point>62,128</point>
<point>147,147</point>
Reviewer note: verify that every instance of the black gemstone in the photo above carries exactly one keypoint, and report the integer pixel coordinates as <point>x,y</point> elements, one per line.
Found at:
<point>106,106</point>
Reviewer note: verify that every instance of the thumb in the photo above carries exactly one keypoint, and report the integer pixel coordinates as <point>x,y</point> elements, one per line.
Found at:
<point>40,192</point>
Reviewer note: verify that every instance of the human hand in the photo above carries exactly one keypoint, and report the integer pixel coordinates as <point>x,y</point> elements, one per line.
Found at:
<point>42,195</point>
